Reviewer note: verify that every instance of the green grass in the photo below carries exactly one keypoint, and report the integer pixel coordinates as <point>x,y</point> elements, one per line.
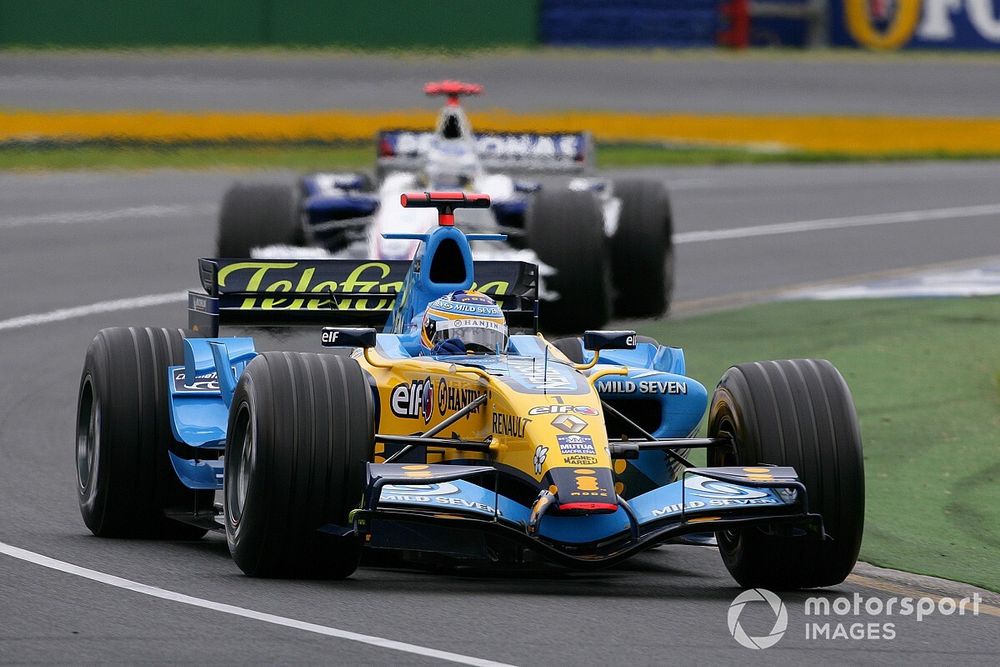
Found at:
<point>362,156</point>
<point>89,156</point>
<point>924,375</point>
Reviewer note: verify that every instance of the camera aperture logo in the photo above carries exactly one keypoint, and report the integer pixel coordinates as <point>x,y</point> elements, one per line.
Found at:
<point>839,617</point>
<point>774,606</point>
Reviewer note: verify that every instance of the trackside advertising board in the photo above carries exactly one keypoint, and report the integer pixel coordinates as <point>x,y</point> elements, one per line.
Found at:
<point>916,24</point>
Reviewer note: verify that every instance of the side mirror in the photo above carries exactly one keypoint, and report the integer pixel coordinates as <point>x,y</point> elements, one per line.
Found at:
<point>609,340</point>
<point>344,337</point>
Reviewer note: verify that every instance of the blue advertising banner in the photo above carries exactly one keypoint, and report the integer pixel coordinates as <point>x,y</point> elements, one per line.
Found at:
<point>642,23</point>
<point>916,24</point>
<point>780,28</point>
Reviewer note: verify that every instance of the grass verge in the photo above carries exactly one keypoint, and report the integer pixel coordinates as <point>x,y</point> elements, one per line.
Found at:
<point>924,375</point>
<point>362,156</point>
<point>87,156</point>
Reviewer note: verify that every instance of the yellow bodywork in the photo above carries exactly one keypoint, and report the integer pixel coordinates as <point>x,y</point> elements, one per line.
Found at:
<point>518,424</point>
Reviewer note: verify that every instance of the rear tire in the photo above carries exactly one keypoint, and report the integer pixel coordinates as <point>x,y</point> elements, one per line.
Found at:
<point>642,251</point>
<point>254,215</point>
<point>795,413</point>
<point>301,429</point>
<point>565,228</point>
<point>125,479</point>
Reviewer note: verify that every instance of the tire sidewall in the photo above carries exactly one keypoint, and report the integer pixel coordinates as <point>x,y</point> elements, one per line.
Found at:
<point>243,530</point>
<point>728,418</point>
<point>93,495</point>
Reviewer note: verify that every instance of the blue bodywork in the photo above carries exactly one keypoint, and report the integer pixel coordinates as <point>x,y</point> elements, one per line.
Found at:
<point>199,408</point>
<point>330,199</point>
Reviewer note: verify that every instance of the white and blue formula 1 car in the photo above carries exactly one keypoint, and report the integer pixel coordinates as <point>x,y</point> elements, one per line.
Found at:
<point>605,246</point>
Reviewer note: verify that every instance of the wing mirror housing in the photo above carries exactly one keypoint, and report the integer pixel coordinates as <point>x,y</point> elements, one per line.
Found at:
<point>348,337</point>
<point>595,341</point>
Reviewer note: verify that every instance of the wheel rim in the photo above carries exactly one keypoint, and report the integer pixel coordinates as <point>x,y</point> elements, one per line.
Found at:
<point>88,435</point>
<point>246,465</point>
<point>729,540</point>
<point>243,465</point>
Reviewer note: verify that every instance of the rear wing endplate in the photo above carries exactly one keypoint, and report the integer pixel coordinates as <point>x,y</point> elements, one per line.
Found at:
<point>334,292</point>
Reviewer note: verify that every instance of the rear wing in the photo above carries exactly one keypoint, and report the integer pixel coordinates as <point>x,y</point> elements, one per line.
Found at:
<point>567,153</point>
<point>335,292</point>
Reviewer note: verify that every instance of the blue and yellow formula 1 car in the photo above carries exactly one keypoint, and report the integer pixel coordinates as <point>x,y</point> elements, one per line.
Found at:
<point>573,453</point>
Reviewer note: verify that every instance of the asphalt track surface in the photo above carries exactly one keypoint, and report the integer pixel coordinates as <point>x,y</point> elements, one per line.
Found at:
<point>649,82</point>
<point>72,239</point>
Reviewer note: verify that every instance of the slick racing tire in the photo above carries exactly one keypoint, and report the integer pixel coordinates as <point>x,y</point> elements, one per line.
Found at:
<point>796,413</point>
<point>642,251</point>
<point>125,480</point>
<point>565,228</point>
<point>301,429</point>
<point>255,215</point>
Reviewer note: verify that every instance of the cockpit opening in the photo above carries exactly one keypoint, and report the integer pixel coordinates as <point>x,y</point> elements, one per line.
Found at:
<point>452,128</point>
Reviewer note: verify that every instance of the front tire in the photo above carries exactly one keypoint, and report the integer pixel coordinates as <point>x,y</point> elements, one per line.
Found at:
<point>565,228</point>
<point>642,250</point>
<point>796,413</point>
<point>301,429</point>
<point>255,215</point>
<point>125,480</point>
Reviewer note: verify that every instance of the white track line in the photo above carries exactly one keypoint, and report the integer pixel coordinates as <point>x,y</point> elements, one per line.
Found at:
<point>92,309</point>
<point>838,223</point>
<point>163,594</point>
<point>73,217</point>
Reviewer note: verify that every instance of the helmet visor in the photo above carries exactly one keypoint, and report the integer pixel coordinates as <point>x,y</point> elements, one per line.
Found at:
<point>480,335</point>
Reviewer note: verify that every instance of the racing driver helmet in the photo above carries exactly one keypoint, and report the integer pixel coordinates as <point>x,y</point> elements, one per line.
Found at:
<point>463,322</point>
